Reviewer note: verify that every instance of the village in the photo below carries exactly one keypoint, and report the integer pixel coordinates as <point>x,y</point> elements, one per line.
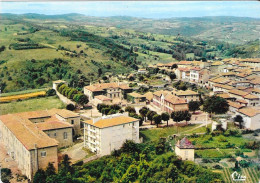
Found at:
<point>208,112</point>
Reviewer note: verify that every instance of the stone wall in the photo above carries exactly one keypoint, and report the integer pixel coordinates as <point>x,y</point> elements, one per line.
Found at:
<point>64,99</point>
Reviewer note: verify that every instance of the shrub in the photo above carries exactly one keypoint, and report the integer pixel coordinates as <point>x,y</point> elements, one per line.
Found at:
<point>70,107</point>
<point>51,92</point>
<point>244,163</point>
<point>217,167</point>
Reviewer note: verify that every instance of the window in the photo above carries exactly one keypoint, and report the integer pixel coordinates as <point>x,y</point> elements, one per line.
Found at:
<point>72,121</point>
<point>43,153</point>
<point>54,134</point>
<point>65,135</point>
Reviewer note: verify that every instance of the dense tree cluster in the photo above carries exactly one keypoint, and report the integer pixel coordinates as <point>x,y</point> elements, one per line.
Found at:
<point>178,116</point>
<point>109,109</point>
<point>151,162</point>
<point>215,104</point>
<point>194,106</point>
<point>72,94</point>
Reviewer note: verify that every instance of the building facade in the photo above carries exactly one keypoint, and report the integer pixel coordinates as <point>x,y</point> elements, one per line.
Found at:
<point>185,149</point>
<point>111,90</point>
<point>32,138</point>
<point>107,133</point>
<point>168,102</point>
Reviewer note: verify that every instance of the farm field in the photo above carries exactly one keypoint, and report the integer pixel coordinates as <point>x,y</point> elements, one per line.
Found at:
<point>31,105</point>
<point>251,173</point>
<point>22,96</point>
<point>23,92</point>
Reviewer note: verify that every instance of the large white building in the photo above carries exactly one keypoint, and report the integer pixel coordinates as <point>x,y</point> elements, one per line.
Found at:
<point>107,133</point>
<point>251,117</point>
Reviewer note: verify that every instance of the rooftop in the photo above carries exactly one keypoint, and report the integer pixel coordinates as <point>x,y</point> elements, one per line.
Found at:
<point>27,132</point>
<point>184,144</point>
<point>238,92</point>
<point>52,125</point>
<point>103,98</point>
<point>102,86</point>
<point>111,120</point>
<point>250,111</point>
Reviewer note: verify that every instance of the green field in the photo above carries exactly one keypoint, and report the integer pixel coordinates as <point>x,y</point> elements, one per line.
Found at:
<point>31,105</point>
<point>155,133</point>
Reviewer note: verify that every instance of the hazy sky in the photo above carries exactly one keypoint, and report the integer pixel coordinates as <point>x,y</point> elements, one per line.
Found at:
<point>152,9</point>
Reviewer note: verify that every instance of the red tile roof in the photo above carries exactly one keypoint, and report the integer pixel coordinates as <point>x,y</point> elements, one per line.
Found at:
<point>184,144</point>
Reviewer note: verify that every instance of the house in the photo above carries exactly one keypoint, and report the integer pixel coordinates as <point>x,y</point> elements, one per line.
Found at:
<point>136,98</point>
<point>111,90</point>
<point>183,74</point>
<point>252,100</point>
<point>187,95</point>
<point>217,67</point>
<point>220,88</point>
<point>168,102</point>
<point>149,97</point>
<point>234,106</point>
<point>32,138</point>
<point>184,64</point>
<point>185,149</point>
<point>194,74</point>
<point>108,133</point>
<point>251,117</point>
<point>102,99</point>
<point>142,71</point>
<point>203,76</point>
<point>238,94</point>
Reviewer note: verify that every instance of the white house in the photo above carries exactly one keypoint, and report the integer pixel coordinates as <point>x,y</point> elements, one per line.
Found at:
<point>251,117</point>
<point>107,133</point>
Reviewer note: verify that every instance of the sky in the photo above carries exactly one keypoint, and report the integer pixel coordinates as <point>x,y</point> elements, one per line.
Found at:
<point>145,9</point>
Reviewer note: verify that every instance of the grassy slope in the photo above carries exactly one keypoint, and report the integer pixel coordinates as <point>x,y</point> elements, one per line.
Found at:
<point>31,105</point>
<point>15,58</point>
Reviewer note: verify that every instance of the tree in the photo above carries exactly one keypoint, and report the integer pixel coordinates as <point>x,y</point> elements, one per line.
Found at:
<point>215,104</point>
<point>193,106</point>
<point>80,99</point>
<point>143,111</point>
<point>150,115</point>
<point>51,92</point>
<point>130,109</point>
<point>157,119</point>
<point>72,93</point>
<point>186,116</point>
<point>165,117</point>
<point>99,72</point>
<point>174,66</point>
<point>236,165</point>
<point>172,75</point>
<point>39,177</point>
<point>105,110</point>
<point>141,78</point>
<point>240,120</point>
<point>70,107</point>
<point>50,170</point>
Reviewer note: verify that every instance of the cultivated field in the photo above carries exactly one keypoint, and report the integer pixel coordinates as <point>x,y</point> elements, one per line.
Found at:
<point>22,96</point>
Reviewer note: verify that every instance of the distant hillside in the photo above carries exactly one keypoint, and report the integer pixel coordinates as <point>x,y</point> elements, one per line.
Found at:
<point>236,30</point>
<point>37,49</point>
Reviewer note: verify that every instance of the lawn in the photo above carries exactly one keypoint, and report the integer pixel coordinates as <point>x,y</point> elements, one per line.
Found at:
<point>214,153</point>
<point>218,141</point>
<point>155,133</point>
<point>31,105</point>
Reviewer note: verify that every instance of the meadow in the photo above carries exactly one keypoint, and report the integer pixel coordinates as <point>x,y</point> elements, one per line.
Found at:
<point>40,103</point>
